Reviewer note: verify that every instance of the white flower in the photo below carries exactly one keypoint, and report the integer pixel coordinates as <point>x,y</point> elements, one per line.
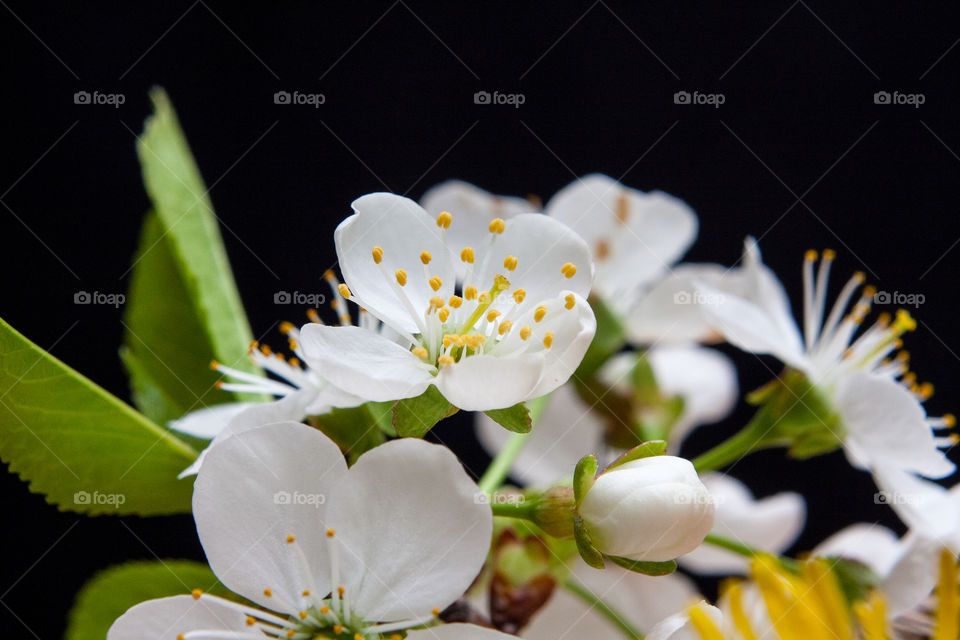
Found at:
<point>651,509</point>
<point>883,422</point>
<point>515,329</point>
<point>680,626</point>
<point>381,547</point>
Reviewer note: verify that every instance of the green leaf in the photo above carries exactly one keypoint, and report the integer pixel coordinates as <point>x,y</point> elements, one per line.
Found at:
<point>83,447</point>
<point>382,414</point>
<point>107,595</point>
<point>646,568</point>
<point>354,430</point>
<point>414,417</point>
<point>192,262</point>
<point>645,450</point>
<point>515,418</point>
<point>585,546</point>
<point>584,476</point>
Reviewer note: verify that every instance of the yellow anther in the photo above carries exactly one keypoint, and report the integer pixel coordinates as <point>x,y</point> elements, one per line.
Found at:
<point>338,629</point>
<point>569,301</point>
<point>436,611</point>
<point>525,332</point>
<point>303,615</point>
<point>377,254</point>
<point>265,350</point>
<point>444,219</point>
<point>470,293</point>
<point>436,302</point>
<point>949,420</point>
<point>475,340</point>
<point>324,610</point>
<point>196,593</point>
<point>445,360</point>
<point>331,533</point>
<point>829,254</point>
<point>910,379</point>
<point>313,316</point>
<point>344,290</point>
<point>623,207</point>
<point>510,263</point>
<point>467,255</point>
<point>420,352</point>
<point>214,365</point>
<point>341,590</point>
<point>291,633</point>
<point>903,322</point>
<point>539,313</point>
<point>492,315</point>
<point>497,225</point>
<point>425,257</point>
<point>291,539</point>
<point>251,621</point>
<point>602,252</point>
<point>287,327</point>
<point>444,314</point>
<point>455,302</point>
<point>925,390</point>
<point>436,283</point>
<point>505,326</point>
<point>401,277</point>
<point>180,636</point>
<point>868,291</point>
<point>548,339</point>
<point>329,275</point>
<point>810,255</point>
<point>883,319</point>
<point>569,269</point>
<point>293,347</point>
<point>357,636</point>
<point>859,276</point>
<point>306,593</point>
<point>452,339</point>
<point>519,295</point>
<point>267,592</point>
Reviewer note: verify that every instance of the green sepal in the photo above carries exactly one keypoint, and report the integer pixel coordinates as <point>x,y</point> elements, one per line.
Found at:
<point>354,430</point>
<point>584,475</point>
<point>645,450</point>
<point>646,568</point>
<point>585,546</point>
<point>382,415</point>
<point>414,417</point>
<point>515,418</point>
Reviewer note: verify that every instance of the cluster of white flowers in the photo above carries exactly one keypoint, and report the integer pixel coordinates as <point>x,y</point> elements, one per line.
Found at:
<point>479,302</point>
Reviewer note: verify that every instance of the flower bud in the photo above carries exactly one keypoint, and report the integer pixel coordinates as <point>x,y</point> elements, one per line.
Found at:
<point>651,509</point>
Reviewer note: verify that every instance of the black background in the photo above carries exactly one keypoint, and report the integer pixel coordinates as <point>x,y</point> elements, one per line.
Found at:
<point>798,155</point>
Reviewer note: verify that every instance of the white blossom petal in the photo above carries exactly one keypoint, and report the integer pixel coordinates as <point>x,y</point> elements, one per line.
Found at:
<point>912,578</point>
<point>169,617</point>
<point>255,489</point>
<point>485,382</point>
<point>925,506</point>
<point>873,545</point>
<point>573,333</point>
<point>364,363</point>
<point>412,529</point>
<point>679,627</point>
<point>458,631</point>
<point>208,422</point>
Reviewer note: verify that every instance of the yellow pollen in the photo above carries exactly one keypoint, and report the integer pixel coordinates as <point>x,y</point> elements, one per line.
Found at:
<point>925,390</point>
<point>357,636</point>
<point>180,636</point>
<point>569,301</point>
<point>401,277</point>
<point>949,420</point>
<point>492,315</point>
<point>810,255</point>
<point>196,593</point>
<point>444,314</point>
<point>483,298</point>
<point>436,611</point>
<point>344,290</point>
<point>377,254</point>
<point>470,293</point>
<point>859,276</point>
<point>569,269</point>
<point>218,384</point>
<point>338,629</point>
<point>214,364</point>
<point>250,621</point>
<point>829,254</point>
<point>306,593</point>
<point>267,592</point>
<point>436,283</point>
<point>445,360</point>
<point>303,615</point>
<point>291,633</point>
<point>868,291</point>
<point>291,539</point>
<point>436,302</point>
<point>425,257</point>
<point>474,340</point>
<point>313,316</point>
<point>519,295</point>
<point>396,636</point>
<point>548,339</point>
<point>341,590</point>
<point>265,350</point>
<point>910,379</point>
<point>286,327</point>
<point>444,219</point>
<point>467,255</point>
<point>903,322</point>
<point>324,610</point>
<point>420,352</point>
<point>883,319</point>
<point>505,326</point>
<point>497,225</point>
<point>510,263</point>
<point>455,301</point>
<point>539,313</point>
<point>452,339</point>
<point>328,275</point>
<point>525,332</point>
<point>331,533</point>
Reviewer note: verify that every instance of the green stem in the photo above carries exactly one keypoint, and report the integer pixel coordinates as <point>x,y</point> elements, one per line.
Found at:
<point>744,549</point>
<point>499,468</point>
<point>604,609</point>
<point>513,509</point>
<point>749,439</point>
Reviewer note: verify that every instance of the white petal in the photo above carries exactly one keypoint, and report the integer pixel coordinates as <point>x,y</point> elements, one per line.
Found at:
<point>668,311</point>
<point>871,544</point>
<point>679,627</point>
<point>412,529</point>
<point>926,507</point>
<point>255,489</point>
<point>403,230</point>
<point>635,236</point>
<point>169,617</point>
<point>329,396</point>
<point>208,422</point>
<point>770,524</point>
<point>643,600</point>
<point>913,577</point>
<point>886,425</point>
<point>484,382</point>
<point>766,290</point>
<point>542,247</point>
<point>567,430</point>
<point>573,333</point>
<point>458,632</point>
<point>363,363</point>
